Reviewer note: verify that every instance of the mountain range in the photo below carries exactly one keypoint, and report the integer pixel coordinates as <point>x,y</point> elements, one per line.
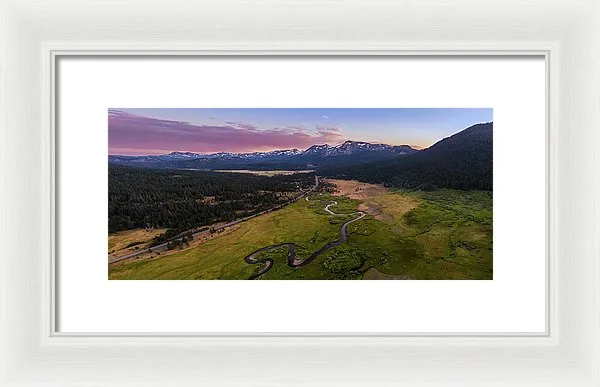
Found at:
<point>316,156</point>
<point>461,161</point>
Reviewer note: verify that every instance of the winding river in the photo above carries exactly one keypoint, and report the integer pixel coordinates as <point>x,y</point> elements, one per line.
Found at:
<point>292,259</point>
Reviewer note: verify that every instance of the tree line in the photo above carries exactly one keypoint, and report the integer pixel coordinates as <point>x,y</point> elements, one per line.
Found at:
<point>183,200</point>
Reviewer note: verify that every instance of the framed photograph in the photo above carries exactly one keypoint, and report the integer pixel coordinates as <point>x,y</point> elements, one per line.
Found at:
<point>332,194</point>
<point>240,191</point>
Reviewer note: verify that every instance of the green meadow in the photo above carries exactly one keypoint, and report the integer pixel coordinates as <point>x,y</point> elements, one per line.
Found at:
<point>444,234</point>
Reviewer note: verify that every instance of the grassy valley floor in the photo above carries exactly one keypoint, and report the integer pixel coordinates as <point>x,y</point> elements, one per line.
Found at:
<point>443,234</point>
<point>125,242</point>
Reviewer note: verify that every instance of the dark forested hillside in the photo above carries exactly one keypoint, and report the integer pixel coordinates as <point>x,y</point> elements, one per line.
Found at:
<point>181,200</point>
<point>462,161</point>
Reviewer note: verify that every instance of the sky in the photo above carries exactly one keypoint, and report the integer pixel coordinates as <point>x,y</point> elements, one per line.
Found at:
<point>151,131</point>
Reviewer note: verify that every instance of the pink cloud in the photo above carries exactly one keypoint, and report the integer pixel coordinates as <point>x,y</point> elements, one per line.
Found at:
<point>137,134</point>
<point>241,125</point>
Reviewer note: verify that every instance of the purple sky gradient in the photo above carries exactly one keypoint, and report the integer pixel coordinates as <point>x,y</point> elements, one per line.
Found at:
<point>132,134</point>
<point>159,131</point>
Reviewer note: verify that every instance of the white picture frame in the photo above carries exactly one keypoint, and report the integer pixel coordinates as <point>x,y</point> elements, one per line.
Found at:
<point>34,34</point>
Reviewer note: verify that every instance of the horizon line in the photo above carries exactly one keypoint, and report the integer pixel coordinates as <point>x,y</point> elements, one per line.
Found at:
<point>167,152</point>
<point>162,152</point>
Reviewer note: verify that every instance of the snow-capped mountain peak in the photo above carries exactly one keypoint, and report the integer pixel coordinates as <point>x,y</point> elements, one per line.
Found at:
<point>182,155</point>
<point>314,152</point>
